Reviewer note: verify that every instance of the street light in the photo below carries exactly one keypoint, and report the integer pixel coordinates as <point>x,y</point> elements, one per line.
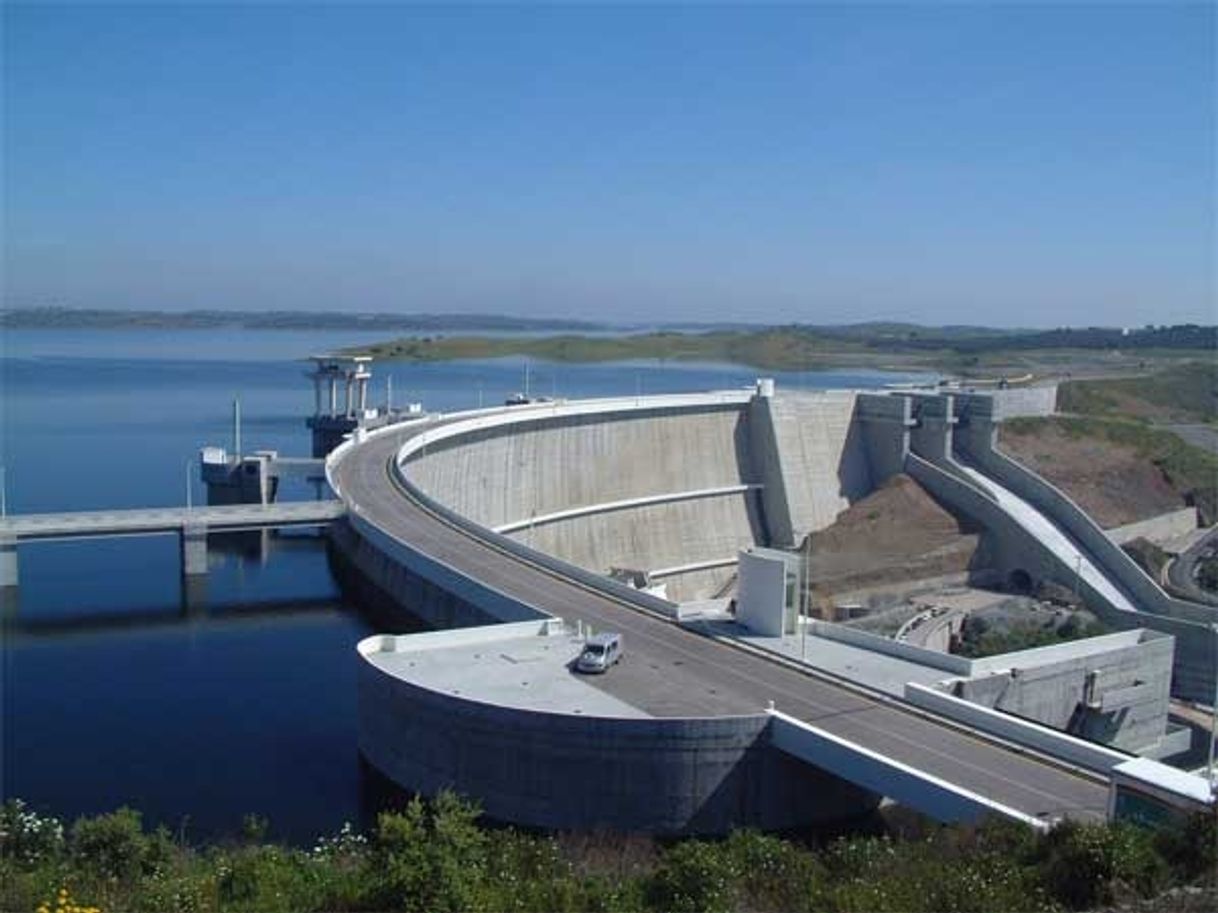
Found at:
<point>1214,715</point>
<point>189,466</point>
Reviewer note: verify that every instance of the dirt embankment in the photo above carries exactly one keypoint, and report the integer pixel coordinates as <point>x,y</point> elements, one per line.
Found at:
<point>896,533</point>
<point>1113,482</point>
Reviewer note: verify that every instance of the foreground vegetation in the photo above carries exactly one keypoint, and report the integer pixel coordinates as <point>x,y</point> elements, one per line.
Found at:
<point>436,857</point>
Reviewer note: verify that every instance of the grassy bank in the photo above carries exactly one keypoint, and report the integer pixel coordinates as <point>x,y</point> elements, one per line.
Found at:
<point>774,350</point>
<point>1186,392</point>
<point>436,857</point>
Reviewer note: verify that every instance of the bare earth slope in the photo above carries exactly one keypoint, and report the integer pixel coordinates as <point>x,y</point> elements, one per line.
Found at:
<point>1115,483</point>
<point>896,533</point>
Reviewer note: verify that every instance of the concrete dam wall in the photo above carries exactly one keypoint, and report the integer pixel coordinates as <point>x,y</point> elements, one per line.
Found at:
<point>674,491</point>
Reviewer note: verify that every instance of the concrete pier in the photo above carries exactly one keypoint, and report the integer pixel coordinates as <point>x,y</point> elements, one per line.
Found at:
<point>193,543</point>
<point>8,563</point>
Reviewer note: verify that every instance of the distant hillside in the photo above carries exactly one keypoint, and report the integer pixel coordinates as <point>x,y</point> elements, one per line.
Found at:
<point>1182,393</point>
<point>54,318</point>
<point>796,348</point>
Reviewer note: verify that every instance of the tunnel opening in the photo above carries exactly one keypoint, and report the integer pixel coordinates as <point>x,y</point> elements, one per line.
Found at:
<point>1019,581</point>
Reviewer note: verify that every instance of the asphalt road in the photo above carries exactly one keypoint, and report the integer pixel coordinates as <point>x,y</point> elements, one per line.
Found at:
<point>1181,573</point>
<point>670,671</point>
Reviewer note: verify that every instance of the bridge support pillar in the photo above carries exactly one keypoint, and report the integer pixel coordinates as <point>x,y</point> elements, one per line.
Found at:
<point>8,575</point>
<point>8,562</point>
<point>193,541</point>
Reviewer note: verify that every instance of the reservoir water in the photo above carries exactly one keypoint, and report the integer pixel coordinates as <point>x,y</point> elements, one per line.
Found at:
<point>111,691</point>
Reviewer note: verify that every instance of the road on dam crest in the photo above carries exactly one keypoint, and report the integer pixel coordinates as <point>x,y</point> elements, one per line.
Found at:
<point>673,672</point>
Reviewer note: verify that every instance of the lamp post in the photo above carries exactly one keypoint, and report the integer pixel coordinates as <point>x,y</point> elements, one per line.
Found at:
<point>3,491</point>
<point>189,464</point>
<point>1214,715</point>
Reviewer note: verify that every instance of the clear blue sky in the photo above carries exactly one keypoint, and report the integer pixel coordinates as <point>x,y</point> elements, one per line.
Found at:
<point>1026,164</point>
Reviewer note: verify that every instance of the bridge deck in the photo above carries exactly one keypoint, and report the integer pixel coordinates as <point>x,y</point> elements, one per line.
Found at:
<point>674,672</point>
<point>229,517</point>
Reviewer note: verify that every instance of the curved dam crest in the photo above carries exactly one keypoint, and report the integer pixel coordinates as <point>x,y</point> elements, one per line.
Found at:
<point>672,487</point>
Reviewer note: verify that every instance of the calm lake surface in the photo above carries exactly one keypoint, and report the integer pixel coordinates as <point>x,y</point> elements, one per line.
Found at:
<point>115,693</point>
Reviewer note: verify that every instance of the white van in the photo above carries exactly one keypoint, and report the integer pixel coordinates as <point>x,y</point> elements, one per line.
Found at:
<point>600,652</point>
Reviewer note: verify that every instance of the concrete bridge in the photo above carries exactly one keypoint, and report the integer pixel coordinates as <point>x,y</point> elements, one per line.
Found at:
<point>190,524</point>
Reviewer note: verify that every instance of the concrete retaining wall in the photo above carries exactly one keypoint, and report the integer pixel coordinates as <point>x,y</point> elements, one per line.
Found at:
<point>1187,622</point>
<point>956,665</point>
<point>1050,687</point>
<point>568,772</point>
<point>1011,728</point>
<point>1157,529</point>
<point>1006,545</point>
<point>1015,402</point>
<point>810,453</point>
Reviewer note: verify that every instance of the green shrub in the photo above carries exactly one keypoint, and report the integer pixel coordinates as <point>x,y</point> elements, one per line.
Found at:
<point>27,837</point>
<point>431,857</point>
<point>776,874</point>
<point>113,845</point>
<point>1086,865</point>
<point>1190,847</point>
<point>695,875</point>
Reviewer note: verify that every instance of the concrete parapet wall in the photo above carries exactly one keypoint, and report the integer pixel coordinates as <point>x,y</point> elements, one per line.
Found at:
<point>439,640</point>
<point>911,787</point>
<point>956,665</point>
<point>1013,729</point>
<point>569,772</point>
